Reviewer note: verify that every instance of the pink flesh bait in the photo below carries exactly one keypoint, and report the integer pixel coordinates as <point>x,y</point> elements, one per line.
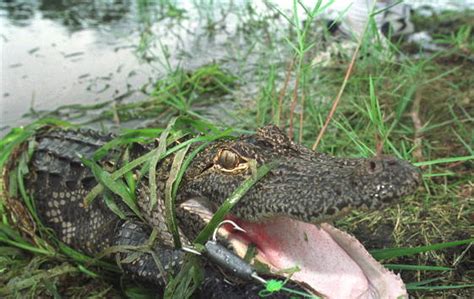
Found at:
<point>333,263</point>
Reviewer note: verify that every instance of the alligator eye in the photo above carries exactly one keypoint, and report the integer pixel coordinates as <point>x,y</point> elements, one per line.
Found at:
<point>228,159</point>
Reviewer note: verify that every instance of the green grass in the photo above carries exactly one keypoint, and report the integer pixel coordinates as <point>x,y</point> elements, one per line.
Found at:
<point>418,109</point>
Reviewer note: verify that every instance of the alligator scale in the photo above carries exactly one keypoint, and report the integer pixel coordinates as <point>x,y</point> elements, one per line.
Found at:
<point>284,214</point>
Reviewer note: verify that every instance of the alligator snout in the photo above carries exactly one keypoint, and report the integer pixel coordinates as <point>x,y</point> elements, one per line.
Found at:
<point>393,165</point>
<point>381,181</point>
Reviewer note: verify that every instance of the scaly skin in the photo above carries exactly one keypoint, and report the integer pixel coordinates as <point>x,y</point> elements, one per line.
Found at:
<point>305,185</point>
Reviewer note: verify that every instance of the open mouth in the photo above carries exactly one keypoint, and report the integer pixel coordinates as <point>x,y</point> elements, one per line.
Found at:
<point>332,263</point>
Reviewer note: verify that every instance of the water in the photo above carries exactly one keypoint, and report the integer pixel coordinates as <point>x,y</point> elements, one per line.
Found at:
<point>55,54</point>
<point>82,52</point>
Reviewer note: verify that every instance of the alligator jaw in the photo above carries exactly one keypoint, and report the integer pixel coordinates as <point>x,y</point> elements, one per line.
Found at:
<point>333,263</point>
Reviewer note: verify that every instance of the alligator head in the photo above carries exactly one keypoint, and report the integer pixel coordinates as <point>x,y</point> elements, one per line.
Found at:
<point>285,214</point>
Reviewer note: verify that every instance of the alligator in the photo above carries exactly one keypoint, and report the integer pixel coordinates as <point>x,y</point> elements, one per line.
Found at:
<point>286,215</point>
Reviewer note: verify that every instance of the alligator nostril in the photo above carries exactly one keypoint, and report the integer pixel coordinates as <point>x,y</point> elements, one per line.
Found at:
<point>375,166</point>
<point>372,165</point>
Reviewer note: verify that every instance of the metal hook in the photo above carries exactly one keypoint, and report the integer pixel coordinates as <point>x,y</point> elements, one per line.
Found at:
<point>235,225</point>
<point>190,250</point>
<point>214,235</point>
<point>258,278</point>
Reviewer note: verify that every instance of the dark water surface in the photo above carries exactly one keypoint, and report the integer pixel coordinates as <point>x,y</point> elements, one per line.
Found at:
<point>82,52</point>
<point>55,54</point>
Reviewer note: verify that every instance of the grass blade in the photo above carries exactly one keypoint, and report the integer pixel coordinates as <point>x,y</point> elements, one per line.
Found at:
<point>444,160</point>
<point>416,267</point>
<point>170,213</point>
<point>116,186</point>
<point>381,254</point>
<point>438,288</point>
<point>154,161</point>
